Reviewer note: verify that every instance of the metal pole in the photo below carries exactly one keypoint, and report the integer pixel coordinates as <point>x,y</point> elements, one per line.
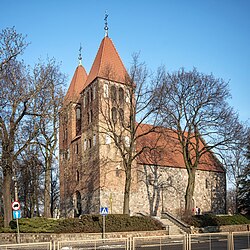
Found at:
<point>103,226</point>
<point>18,232</point>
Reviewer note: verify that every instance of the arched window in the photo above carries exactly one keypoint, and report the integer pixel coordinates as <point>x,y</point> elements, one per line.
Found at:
<point>77,176</point>
<point>207,183</point>
<point>121,115</point>
<point>84,100</point>
<point>85,144</point>
<point>105,90</point>
<point>94,92</point>
<point>78,204</point>
<point>114,114</point>
<point>94,139</point>
<point>88,97</point>
<point>91,116</point>
<point>91,94</point>
<point>127,96</point>
<point>121,95</point>
<point>78,113</point>
<point>78,119</point>
<point>108,139</point>
<point>113,93</point>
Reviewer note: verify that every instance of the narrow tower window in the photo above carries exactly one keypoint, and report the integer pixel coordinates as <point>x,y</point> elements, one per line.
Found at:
<point>114,114</point>
<point>121,95</point>
<point>113,93</point>
<point>78,119</point>
<point>105,90</point>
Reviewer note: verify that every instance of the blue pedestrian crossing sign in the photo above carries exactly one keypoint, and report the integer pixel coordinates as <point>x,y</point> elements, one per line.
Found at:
<point>16,214</point>
<point>104,211</point>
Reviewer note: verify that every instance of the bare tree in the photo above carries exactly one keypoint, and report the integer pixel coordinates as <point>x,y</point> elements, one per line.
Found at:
<point>29,169</point>
<point>235,161</point>
<point>12,44</point>
<point>124,114</point>
<point>194,106</point>
<point>49,125</point>
<point>20,107</point>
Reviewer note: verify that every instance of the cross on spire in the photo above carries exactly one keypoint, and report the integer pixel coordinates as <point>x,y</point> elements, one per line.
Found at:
<point>106,28</point>
<point>80,55</point>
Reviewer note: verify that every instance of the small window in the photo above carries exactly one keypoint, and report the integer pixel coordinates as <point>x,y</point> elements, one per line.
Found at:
<point>65,135</point>
<point>127,96</point>
<point>84,100</point>
<point>121,116</point>
<point>207,183</point>
<point>114,114</point>
<point>113,93</point>
<point>90,116</point>
<point>90,143</point>
<point>94,92</point>
<point>77,176</point>
<point>76,148</point>
<point>91,94</point>
<point>88,97</point>
<point>78,113</point>
<point>108,139</point>
<point>105,90</point>
<point>94,139</point>
<point>85,144</point>
<point>121,95</point>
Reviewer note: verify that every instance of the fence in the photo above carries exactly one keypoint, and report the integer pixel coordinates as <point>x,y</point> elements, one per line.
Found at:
<point>211,241</point>
<point>116,243</point>
<point>160,242</point>
<point>28,246</point>
<point>240,240</point>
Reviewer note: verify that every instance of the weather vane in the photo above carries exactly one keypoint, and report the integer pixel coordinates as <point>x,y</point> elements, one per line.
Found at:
<point>80,55</point>
<point>106,28</point>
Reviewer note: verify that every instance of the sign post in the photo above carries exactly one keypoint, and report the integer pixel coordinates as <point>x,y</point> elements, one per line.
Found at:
<point>16,215</point>
<point>103,212</point>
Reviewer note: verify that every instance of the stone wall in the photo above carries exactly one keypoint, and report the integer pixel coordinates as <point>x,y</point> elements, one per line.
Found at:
<point>10,238</point>
<point>163,189</point>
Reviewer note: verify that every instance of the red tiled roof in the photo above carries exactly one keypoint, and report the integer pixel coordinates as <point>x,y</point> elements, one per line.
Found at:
<point>107,64</point>
<point>76,86</point>
<point>165,150</point>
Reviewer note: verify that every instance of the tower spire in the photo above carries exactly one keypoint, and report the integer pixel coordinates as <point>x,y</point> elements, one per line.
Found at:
<point>106,28</point>
<point>80,55</point>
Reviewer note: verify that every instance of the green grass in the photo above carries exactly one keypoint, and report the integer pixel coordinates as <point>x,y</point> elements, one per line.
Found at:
<point>216,220</point>
<point>87,224</point>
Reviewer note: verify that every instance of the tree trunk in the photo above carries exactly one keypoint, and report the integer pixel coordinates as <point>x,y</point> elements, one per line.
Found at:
<point>7,197</point>
<point>189,206</point>
<point>47,188</point>
<point>126,209</point>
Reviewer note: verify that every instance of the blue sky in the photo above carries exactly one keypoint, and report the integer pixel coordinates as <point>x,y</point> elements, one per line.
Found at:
<point>213,36</point>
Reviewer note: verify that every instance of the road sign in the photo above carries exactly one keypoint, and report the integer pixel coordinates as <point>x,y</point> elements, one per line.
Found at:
<point>15,205</point>
<point>16,214</point>
<point>104,211</point>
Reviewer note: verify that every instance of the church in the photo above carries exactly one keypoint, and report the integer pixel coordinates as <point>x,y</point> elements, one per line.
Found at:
<point>91,162</point>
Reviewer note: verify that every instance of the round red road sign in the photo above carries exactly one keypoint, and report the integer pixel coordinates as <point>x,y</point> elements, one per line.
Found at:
<point>15,205</point>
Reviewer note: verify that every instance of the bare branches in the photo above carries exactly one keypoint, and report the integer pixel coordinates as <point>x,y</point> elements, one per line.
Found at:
<point>12,44</point>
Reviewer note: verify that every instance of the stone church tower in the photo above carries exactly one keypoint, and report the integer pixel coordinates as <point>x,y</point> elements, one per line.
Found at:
<point>91,172</point>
